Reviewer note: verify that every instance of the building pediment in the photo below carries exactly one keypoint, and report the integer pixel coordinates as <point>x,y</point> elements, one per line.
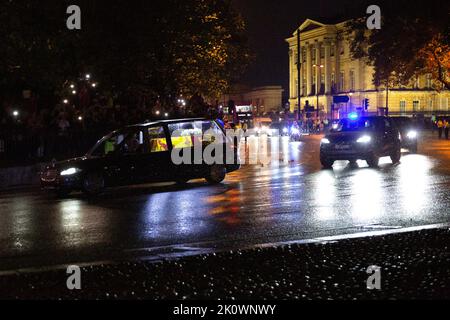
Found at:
<point>310,25</point>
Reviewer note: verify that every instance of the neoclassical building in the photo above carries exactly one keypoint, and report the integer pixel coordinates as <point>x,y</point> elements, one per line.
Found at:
<point>327,70</point>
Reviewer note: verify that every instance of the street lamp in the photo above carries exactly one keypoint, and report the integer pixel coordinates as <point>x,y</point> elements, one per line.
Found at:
<point>15,113</point>
<point>88,76</point>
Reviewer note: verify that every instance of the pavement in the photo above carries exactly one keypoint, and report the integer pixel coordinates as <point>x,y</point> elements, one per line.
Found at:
<point>412,265</point>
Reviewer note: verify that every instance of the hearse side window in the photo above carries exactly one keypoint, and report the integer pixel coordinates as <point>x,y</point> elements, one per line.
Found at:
<point>210,131</point>
<point>157,139</point>
<point>183,134</point>
<point>134,142</point>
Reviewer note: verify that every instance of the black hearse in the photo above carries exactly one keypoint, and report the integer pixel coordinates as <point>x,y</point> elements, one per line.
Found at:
<point>144,154</point>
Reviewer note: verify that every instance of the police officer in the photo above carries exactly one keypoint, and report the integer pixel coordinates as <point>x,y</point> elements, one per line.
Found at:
<point>440,125</point>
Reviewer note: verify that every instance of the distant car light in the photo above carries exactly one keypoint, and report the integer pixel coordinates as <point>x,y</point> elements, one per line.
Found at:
<point>285,130</point>
<point>325,141</point>
<point>70,172</point>
<point>364,139</point>
<point>412,134</point>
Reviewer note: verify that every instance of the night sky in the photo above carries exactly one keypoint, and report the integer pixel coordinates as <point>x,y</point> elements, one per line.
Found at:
<point>269,22</point>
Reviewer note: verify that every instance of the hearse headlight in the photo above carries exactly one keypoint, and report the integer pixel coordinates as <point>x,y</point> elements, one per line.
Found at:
<point>70,172</point>
<point>364,139</point>
<point>412,134</point>
<point>325,141</point>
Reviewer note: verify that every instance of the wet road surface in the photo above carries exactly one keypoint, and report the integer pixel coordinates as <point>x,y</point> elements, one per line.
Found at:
<point>259,204</point>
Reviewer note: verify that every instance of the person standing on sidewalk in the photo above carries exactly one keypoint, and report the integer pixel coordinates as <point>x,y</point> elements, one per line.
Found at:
<point>440,125</point>
<point>446,128</point>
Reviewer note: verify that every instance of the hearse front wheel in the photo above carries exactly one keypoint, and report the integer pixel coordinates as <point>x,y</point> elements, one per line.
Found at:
<point>93,184</point>
<point>217,174</point>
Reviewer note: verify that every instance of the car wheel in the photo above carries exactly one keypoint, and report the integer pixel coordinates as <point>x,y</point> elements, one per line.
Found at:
<point>326,163</point>
<point>396,156</point>
<point>373,161</point>
<point>93,184</point>
<point>217,174</point>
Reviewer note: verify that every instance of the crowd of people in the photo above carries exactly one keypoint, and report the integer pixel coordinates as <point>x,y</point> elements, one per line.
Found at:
<point>62,131</point>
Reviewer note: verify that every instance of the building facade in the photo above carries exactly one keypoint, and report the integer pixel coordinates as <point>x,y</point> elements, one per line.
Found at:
<point>328,70</point>
<point>262,99</point>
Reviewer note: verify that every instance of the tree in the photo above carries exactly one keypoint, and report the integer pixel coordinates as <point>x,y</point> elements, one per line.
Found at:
<point>159,48</point>
<point>413,40</point>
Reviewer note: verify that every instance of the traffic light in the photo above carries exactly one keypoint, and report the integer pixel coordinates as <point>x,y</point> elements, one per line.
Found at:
<point>366,104</point>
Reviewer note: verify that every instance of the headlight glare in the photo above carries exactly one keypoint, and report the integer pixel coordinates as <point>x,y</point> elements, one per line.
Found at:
<point>364,139</point>
<point>412,135</point>
<point>70,172</point>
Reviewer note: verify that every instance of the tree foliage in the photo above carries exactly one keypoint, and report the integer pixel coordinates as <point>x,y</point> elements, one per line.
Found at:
<point>413,40</point>
<point>160,48</point>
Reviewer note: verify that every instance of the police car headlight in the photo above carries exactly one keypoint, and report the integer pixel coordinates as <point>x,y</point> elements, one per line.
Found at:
<point>70,172</point>
<point>364,139</point>
<point>295,131</point>
<point>325,141</point>
<point>285,130</point>
<point>412,134</point>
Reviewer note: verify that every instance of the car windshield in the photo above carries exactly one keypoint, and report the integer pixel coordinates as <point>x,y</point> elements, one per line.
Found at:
<point>362,124</point>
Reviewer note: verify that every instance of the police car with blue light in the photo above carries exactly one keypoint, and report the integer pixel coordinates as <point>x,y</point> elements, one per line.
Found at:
<point>361,138</point>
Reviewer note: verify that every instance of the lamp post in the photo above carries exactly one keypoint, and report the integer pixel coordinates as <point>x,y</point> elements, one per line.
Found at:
<point>317,90</point>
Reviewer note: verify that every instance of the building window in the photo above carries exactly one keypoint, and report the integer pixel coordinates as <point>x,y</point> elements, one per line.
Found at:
<point>416,106</point>
<point>314,50</point>
<point>352,80</point>
<point>342,49</point>
<point>304,55</point>
<point>333,82</point>
<point>333,50</point>
<point>341,82</point>
<point>322,52</point>
<point>444,105</point>
<point>403,108</point>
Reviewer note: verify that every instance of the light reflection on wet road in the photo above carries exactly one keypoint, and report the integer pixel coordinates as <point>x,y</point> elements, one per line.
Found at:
<point>258,204</point>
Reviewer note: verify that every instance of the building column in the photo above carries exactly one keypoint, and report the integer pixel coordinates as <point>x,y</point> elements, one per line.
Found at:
<point>337,69</point>
<point>327,68</point>
<point>308,70</point>
<point>317,68</point>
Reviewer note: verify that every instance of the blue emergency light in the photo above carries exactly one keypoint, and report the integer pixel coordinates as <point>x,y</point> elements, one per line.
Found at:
<point>353,116</point>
